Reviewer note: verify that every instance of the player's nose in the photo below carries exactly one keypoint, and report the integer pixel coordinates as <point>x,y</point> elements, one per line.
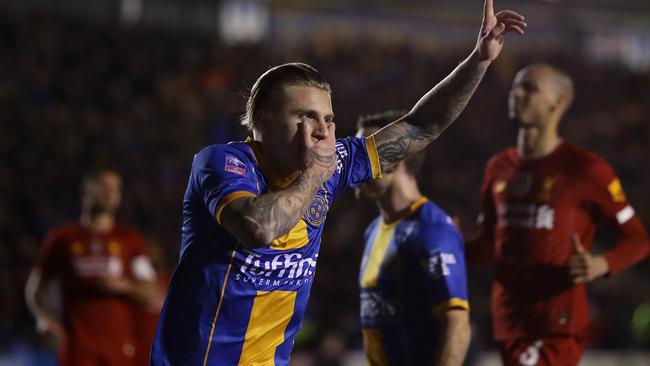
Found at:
<point>321,131</point>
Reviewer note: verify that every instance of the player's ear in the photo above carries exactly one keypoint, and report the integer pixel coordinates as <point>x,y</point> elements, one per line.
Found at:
<point>399,167</point>
<point>263,119</point>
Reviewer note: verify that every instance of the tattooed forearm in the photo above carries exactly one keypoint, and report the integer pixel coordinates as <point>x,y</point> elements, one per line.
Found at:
<point>404,139</point>
<point>257,221</point>
<point>431,115</point>
<point>437,109</point>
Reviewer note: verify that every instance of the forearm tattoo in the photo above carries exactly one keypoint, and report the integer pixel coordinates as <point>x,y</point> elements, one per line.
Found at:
<point>404,140</point>
<point>432,114</point>
<point>271,215</point>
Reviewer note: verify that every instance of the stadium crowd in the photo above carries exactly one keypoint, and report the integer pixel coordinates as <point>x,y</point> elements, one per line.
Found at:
<point>144,100</point>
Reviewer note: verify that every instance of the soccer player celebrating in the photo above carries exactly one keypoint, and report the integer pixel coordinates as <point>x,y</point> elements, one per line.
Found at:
<point>414,306</point>
<point>540,204</point>
<point>253,211</point>
<point>104,272</point>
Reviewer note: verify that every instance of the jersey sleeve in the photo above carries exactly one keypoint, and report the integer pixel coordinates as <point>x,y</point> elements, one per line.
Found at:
<point>440,247</point>
<point>141,267</point>
<point>222,174</point>
<point>607,199</point>
<point>51,258</point>
<point>480,248</point>
<point>358,162</point>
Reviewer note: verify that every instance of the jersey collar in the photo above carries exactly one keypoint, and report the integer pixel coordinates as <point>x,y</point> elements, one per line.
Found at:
<point>274,181</point>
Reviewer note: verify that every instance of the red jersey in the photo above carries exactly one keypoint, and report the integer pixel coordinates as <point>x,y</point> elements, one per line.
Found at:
<point>531,207</point>
<point>98,324</point>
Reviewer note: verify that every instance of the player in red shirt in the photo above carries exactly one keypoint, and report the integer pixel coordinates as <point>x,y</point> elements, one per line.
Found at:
<point>104,271</point>
<point>541,202</point>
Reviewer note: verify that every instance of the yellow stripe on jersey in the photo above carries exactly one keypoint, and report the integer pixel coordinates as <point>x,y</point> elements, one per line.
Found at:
<point>372,345</point>
<point>216,313</point>
<point>270,316</point>
<point>374,157</point>
<point>229,198</point>
<point>295,238</point>
<point>377,253</point>
<point>453,303</point>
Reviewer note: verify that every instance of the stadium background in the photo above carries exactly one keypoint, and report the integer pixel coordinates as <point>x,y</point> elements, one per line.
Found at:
<point>143,84</point>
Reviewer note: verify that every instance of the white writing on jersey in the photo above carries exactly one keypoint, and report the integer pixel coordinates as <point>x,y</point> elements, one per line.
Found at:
<point>530,216</point>
<point>290,265</point>
<point>342,152</point>
<point>98,266</point>
<point>439,264</point>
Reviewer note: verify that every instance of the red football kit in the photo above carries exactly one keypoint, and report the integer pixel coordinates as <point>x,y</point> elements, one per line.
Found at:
<point>531,207</point>
<point>99,325</point>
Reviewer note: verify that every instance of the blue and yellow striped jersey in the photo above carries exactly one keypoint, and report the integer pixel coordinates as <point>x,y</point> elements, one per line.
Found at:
<point>228,305</point>
<point>412,270</point>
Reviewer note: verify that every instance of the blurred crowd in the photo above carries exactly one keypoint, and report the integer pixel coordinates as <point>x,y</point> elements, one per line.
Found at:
<point>144,100</point>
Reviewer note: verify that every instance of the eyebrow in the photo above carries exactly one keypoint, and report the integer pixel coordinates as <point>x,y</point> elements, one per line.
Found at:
<point>300,110</point>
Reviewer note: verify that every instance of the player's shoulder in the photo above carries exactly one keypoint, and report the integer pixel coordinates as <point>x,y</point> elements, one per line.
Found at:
<point>122,228</point>
<point>237,150</point>
<point>501,158</point>
<point>436,227</point>
<point>432,215</point>
<point>64,234</point>
<point>584,161</point>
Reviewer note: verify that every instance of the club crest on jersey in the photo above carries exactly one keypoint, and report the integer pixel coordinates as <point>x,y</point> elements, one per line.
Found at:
<point>616,190</point>
<point>547,189</point>
<point>317,211</point>
<point>234,165</point>
<point>521,184</point>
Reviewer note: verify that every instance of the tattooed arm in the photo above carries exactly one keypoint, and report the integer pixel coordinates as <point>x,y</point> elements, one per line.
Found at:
<point>438,108</point>
<point>257,221</point>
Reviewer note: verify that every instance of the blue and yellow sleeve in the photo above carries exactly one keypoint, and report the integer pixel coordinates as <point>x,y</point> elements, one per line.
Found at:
<point>358,162</point>
<point>223,174</point>
<point>442,246</point>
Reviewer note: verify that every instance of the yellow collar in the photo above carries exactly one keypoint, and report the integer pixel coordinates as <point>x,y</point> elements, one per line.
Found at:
<point>274,181</point>
<point>408,212</point>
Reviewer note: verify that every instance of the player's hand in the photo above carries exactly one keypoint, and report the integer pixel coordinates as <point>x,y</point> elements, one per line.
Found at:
<point>50,327</point>
<point>319,153</point>
<point>116,286</point>
<point>584,267</point>
<point>493,29</point>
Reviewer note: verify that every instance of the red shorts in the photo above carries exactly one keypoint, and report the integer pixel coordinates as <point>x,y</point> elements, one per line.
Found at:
<point>543,351</point>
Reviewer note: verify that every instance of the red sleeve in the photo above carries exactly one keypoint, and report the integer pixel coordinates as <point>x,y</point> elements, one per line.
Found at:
<point>612,209</point>
<point>50,260</point>
<point>138,246</point>
<point>480,248</point>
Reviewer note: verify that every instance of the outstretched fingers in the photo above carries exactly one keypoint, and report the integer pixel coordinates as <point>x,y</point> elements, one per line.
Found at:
<point>513,21</point>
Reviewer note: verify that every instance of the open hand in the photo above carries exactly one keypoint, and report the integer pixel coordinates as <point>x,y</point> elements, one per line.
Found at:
<point>584,267</point>
<point>493,29</point>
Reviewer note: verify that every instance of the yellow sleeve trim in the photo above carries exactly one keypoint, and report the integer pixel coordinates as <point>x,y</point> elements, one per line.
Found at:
<point>229,198</point>
<point>453,303</point>
<point>373,155</point>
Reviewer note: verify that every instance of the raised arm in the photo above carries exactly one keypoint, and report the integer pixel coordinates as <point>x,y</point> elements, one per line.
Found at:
<point>438,108</point>
<point>257,221</point>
